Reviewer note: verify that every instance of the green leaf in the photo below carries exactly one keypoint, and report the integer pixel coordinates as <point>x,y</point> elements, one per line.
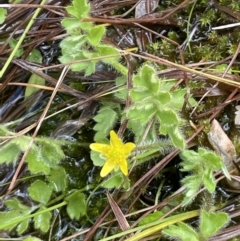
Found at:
<point>14,204</point>
<point>95,34</point>
<point>23,226</point>
<point>181,231</point>
<point>164,97</point>
<point>177,100</point>
<point>79,9</point>
<point>42,221</point>
<point>22,142</point>
<point>77,67</point>
<point>212,160</point>
<point>33,80</point>
<point>3,13</point>
<point>122,90</point>
<point>105,120</point>
<point>51,151</point>
<point>9,153</point>
<point>140,95</point>
<point>17,211</point>
<point>58,179</point>
<point>208,180</point>
<point>193,184</point>
<point>39,191</point>
<point>76,205</point>
<point>72,25</point>
<point>35,56</point>
<point>115,181</point>
<point>30,238</point>
<point>96,158</point>
<point>150,218</point>
<point>176,137</point>
<point>36,163</point>
<point>168,117</point>
<point>105,51</point>
<point>142,115</point>
<point>72,44</point>
<point>4,131</point>
<point>91,68</point>
<point>211,223</point>
<point>12,43</point>
<point>144,77</point>
<point>191,160</point>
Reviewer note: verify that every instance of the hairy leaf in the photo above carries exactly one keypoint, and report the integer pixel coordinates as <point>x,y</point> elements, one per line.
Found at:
<point>11,218</point>
<point>95,34</point>
<point>209,180</point>
<point>211,223</point>
<point>193,184</point>
<point>36,162</point>
<point>72,25</point>
<point>105,118</point>
<point>212,160</point>
<point>9,153</point>
<point>79,9</point>
<point>105,51</point>
<point>152,217</point>
<point>181,231</point>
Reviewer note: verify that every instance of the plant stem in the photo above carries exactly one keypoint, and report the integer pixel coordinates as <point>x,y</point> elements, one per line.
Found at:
<point>21,39</point>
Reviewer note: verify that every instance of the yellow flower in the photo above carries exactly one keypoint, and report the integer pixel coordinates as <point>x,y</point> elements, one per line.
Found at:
<point>115,153</point>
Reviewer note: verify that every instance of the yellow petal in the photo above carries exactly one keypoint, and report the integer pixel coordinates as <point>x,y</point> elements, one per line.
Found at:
<point>128,147</point>
<point>115,140</point>
<point>124,167</point>
<point>103,148</point>
<point>107,168</point>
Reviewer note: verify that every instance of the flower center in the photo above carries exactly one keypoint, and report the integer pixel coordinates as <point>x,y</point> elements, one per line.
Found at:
<point>116,155</point>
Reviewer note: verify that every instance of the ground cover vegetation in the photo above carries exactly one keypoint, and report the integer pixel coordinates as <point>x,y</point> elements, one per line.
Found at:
<point>119,120</point>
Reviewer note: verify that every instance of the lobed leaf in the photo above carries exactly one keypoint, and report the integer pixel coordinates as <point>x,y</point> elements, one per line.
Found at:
<point>144,117</point>
<point>9,153</point>
<point>114,181</point>
<point>105,51</point>
<point>58,179</point>
<point>39,191</point>
<point>95,34</point>
<point>209,180</point>
<point>105,120</point>
<point>23,226</point>
<point>72,25</point>
<point>181,231</point>
<point>36,162</point>
<point>17,211</point>
<point>76,205</point>
<point>42,221</point>
<point>211,223</point>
